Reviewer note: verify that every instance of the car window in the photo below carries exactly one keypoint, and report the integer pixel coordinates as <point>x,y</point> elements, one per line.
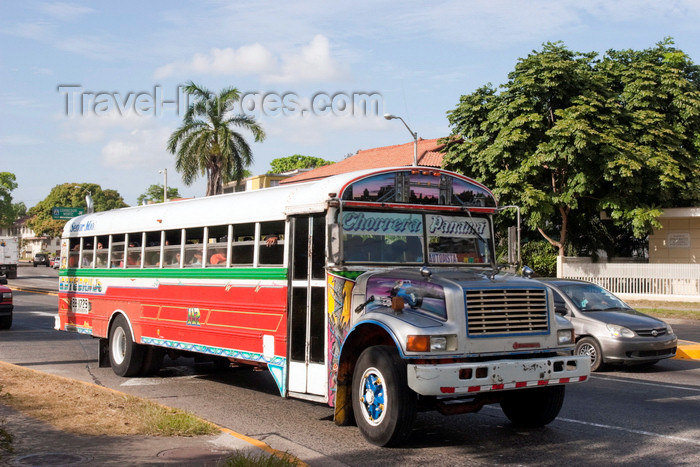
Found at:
<point>590,297</point>
<point>559,303</point>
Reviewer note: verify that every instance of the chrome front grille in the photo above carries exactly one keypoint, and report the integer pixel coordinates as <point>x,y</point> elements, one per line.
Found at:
<point>651,332</point>
<point>506,311</point>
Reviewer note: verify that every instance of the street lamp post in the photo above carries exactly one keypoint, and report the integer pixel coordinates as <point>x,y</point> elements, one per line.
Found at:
<point>165,184</point>
<point>414,134</point>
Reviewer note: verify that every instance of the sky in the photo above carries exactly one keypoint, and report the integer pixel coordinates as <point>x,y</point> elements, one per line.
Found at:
<point>91,91</point>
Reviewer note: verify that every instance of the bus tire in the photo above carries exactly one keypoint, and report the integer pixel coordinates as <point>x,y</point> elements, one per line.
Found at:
<point>152,360</point>
<point>383,404</point>
<point>534,407</point>
<point>125,356</point>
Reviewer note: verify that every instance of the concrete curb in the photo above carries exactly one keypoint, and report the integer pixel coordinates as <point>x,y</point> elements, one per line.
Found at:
<point>688,350</point>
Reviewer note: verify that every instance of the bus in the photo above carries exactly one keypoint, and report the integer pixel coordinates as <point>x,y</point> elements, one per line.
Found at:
<point>376,292</point>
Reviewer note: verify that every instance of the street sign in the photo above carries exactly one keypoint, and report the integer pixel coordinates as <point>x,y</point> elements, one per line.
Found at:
<point>66,213</point>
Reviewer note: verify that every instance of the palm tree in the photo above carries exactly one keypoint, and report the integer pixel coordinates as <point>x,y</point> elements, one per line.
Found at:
<point>205,143</point>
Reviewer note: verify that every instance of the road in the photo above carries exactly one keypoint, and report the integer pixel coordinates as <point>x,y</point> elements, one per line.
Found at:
<point>623,416</point>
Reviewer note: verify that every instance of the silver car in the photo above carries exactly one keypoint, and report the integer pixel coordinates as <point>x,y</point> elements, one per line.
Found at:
<point>607,329</point>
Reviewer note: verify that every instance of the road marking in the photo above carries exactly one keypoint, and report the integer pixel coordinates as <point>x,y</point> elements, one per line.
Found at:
<point>658,385</point>
<point>41,313</point>
<point>630,430</point>
<point>621,428</point>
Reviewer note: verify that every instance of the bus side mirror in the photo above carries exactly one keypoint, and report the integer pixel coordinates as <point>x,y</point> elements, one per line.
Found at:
<point>334,243</point>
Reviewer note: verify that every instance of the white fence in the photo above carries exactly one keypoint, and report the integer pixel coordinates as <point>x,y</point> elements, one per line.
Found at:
<point>641,280</point>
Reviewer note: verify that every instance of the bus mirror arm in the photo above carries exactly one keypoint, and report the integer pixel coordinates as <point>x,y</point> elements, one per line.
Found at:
<point>334,243</point>
<point>362,306</point>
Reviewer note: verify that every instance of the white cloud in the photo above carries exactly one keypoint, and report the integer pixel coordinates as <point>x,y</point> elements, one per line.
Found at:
<point>139,148</point>
<point>246,60</point>
<point>312,63</point>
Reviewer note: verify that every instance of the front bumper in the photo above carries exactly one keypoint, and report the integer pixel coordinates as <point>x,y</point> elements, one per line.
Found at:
<point>638,349</point>
<point>460,379</point>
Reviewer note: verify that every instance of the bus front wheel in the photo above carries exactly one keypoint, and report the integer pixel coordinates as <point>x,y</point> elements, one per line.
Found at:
<point>383,404</point>
<point>125,356</point>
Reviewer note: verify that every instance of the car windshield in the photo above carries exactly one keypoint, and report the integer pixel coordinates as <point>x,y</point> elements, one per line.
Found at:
<point>590,297</point>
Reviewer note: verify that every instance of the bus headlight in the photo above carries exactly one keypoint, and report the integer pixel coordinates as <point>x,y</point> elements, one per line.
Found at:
<point>432,343</point>
<point>565,336</point>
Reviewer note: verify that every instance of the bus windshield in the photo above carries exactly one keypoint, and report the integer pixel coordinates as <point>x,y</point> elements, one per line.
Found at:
<point>400,238</point>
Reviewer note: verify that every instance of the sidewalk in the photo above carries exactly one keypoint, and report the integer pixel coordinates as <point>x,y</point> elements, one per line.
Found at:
<point>38,444</point>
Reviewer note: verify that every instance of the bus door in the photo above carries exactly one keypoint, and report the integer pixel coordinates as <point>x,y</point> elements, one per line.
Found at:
<point>308,372</point>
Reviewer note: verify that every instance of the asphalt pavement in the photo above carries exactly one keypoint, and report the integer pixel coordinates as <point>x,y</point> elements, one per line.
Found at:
<point>39,444</point>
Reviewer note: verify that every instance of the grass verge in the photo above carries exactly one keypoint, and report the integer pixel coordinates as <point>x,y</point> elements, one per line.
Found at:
<point>82,408</point>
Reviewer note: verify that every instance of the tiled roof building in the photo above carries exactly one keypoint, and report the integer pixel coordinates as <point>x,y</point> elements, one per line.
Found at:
<point>389,156</point>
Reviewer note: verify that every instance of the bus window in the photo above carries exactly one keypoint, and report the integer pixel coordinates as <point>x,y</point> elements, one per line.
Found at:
<point>318,253</point>
<point>301,248</point>
<point>217,244</point>
<point>171,249</point>
<point>74,253</point>
<point>271,243</point>
<point>102,251</point>
<point>194,248</point>
<point>152,250</point>
<point>243,244</point>
<point>88,253</point>
<point>133,250</point>
<point>117,258</point>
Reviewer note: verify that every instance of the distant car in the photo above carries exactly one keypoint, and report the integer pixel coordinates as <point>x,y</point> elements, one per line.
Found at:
<point>5,307</point>
<point>3,279</point>
<point>607,329</point>
<point>41,259</point>
<point>56,262</point>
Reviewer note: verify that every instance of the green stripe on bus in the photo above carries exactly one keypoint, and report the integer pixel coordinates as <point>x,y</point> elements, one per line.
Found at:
<point>195,273</point>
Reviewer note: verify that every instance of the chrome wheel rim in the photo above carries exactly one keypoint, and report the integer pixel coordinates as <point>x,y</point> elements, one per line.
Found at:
<point>119,346</point>
<point>373,398</point>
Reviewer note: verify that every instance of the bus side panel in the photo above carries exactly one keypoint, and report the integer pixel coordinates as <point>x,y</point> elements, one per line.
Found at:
<point>215,317</point>
<point>339,313</point>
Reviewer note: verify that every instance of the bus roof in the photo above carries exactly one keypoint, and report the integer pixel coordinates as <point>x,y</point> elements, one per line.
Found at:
<point>261,205</point>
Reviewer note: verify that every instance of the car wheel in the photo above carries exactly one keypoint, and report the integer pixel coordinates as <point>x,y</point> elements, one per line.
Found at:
<point>383,404</point>
<point>589,346</point>
<point>125,356</point>
<point>6,322</point>
<point>533,407</point>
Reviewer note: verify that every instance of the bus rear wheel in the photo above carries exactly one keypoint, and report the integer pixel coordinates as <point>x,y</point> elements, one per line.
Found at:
<point>383,404</point>
<point>125,356</point>
<point>535,407</point>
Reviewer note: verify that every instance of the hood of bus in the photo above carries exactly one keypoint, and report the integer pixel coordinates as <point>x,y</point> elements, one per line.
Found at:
<point>476,312</point>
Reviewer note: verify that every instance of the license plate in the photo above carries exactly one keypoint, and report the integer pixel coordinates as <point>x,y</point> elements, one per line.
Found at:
<point>79,305</point>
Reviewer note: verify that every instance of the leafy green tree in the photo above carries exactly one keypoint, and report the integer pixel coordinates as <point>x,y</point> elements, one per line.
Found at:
<point>206,144</point>
<point>297,161</point>
<point>8,210</point>
<point>154,194</point>
<point>70,195</point>
<point>570,135</point>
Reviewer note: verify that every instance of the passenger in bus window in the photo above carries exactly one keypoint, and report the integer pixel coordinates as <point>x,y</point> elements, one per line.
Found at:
<point>133,259</point>
<point>217,257</point>
<point>196,258</point>
<point>271,240</point>
<point>175,259</point>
